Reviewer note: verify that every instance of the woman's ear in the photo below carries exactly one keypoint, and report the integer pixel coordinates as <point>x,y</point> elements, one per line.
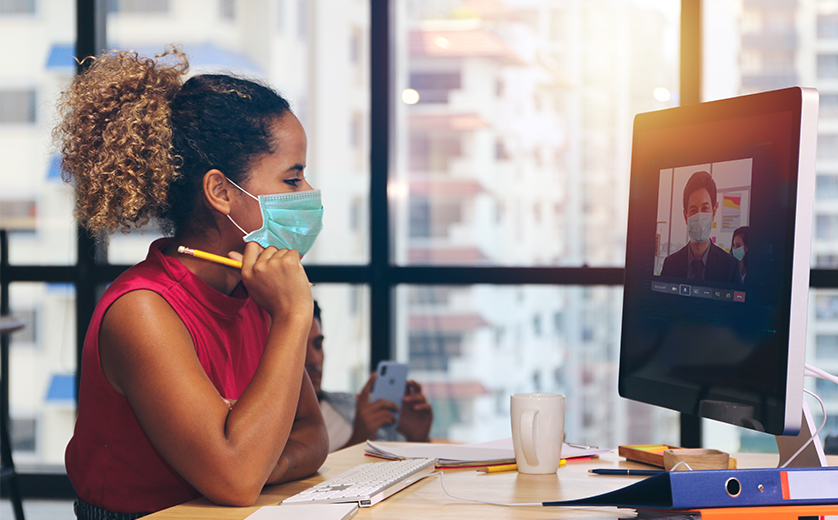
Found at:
<point>216,191</point>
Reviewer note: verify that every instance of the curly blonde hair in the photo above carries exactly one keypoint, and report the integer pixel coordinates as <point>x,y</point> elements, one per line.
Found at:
<point>115,138</point>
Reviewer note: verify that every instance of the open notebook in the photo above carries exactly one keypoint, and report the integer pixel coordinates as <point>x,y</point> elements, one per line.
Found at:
<point>482,454</point>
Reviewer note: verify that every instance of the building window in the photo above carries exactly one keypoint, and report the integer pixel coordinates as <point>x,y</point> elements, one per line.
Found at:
<point>826,187</point>
<point>826,346</point>
<point>280,17</point>
<point>302,19</point>
<point>138,6</point>
<point>432,350</point>
<point>826,307</point>
<point>23,432</point>
<point>227,10</point>
<point>827,26</point>
<point>434,87</point>
<point>828,105</point>
<point>501,152</point>
<point>356,129</point>
<point>17,6</point>
<point>356,46</point>
<point>827,146</point>
<point>18,215</point>
<point>433,220</point>
<point>433,151</point>
<point>17,106</point>
<point>827,66</point>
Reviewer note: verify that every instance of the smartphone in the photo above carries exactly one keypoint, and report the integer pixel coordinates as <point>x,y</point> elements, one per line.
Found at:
<point>390,383</point>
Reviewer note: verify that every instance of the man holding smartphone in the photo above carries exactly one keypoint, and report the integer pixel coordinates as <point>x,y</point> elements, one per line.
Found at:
<point>352,419</point>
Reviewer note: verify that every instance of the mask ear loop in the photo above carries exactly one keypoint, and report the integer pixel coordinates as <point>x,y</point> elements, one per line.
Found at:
<point>247,193</point>
<point>238,226</point>
<point>242,189</point>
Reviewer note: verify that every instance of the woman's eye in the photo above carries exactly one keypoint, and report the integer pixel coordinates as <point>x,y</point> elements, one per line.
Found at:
<point>293,182</point>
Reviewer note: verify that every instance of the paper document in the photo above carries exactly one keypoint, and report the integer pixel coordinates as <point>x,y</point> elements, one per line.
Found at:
<point>494,452</point>
<point>306,512</point>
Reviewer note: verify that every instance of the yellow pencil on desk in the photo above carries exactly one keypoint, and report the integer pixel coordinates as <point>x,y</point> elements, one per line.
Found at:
<point>197,253</point>
<point>499,468</point>
<point>509,467</point>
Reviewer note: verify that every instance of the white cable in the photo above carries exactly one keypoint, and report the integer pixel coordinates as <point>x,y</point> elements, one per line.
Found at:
<point>682,463</point>
<point>520,504</point>
<point>813,371</point>
<point>814,435</point>
<point>442,483</point>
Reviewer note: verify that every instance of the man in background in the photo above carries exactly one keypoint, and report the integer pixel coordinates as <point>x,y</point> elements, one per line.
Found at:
<point>352,419</point>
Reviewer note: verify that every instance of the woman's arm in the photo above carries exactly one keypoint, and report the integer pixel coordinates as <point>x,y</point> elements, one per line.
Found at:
<point>308,443</point>
<point>147,354</point>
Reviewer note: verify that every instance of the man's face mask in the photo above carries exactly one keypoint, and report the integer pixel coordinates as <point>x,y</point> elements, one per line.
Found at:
<point>699,226</point>
<point>289,220</point>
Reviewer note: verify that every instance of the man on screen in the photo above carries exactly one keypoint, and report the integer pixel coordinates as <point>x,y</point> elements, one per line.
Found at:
<point>701,259</point>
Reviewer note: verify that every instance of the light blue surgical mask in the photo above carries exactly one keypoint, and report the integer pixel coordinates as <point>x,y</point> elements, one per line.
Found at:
<point>739,252</point>
<point>289,220</point>
<point>699,226</point>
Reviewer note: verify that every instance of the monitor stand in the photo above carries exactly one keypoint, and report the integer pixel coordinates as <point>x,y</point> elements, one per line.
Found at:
<point>812,456</point>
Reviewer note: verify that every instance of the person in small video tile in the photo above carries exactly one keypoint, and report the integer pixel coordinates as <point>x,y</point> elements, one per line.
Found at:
<point>701,259</point>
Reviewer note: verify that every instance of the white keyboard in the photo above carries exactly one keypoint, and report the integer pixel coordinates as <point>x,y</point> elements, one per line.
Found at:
<point>366,484</point>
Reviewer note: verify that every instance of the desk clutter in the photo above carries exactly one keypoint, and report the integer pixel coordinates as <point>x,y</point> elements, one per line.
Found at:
<point>479,455</point>
<point>666,456</point>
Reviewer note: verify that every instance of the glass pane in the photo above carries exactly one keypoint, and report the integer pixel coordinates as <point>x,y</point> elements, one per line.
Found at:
<point>344,316</point>
<point>317,57</point>
<point>35,205</point>
<point>472,347</point>
<point>42,366</point>
<point>764,45</point>
<point>514,124</point>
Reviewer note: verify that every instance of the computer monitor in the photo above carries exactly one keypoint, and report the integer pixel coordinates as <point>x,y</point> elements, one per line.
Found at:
<point>703,332</point>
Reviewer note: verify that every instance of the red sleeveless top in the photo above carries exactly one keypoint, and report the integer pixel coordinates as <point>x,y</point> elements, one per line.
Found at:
<point>110,461</point>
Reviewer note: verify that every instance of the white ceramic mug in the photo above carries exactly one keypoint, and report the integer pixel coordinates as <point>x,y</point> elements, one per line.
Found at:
<point>537,431</point>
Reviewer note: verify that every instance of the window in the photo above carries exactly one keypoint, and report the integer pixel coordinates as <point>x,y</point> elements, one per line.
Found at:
<point>17,106</point>
<point>138,6</point>
<point>18,215</point>
<point>17,6</point>
<point>826,186</point>
<point>23,433</point>
<point>356,45</point>
<point>827,66</point>
<point>434,87</point>
<point>828,146</point>
<point>826,227</point>
<point>302,19</point>
<point>828,106</point>
<point>227,9</point>
<point>827,345</point>
<point>827,26</point>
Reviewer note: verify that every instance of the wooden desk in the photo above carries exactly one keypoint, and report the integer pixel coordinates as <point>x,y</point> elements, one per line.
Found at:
<point>425,499</point>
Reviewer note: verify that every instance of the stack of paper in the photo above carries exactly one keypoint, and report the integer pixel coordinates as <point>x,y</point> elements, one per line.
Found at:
<point>483,454</point>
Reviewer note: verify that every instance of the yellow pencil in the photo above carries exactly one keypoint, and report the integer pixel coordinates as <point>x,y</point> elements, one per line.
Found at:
<point>510,467</point>
<point>498,468</point>
<point>209,256</point>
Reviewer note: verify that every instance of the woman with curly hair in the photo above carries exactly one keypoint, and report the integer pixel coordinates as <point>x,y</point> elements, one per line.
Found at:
<point>192,379</point>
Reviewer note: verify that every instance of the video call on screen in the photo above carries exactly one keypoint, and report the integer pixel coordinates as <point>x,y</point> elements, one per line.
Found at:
<point>691,330</point>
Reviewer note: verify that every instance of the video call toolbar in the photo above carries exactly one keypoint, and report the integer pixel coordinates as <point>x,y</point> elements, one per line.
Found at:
<point>695,291</point>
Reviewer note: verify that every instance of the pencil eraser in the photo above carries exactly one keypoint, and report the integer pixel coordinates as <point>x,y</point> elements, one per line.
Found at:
<point>180,249</point>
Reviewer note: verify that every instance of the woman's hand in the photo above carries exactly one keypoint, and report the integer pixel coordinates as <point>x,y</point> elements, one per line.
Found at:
<point>276,280</point>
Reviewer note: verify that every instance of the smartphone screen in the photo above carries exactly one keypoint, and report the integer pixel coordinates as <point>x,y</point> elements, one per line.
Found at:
<point>390,383</point>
